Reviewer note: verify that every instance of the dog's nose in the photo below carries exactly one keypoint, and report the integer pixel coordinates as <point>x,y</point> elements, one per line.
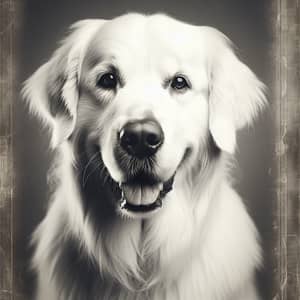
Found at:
<point>141,138</point>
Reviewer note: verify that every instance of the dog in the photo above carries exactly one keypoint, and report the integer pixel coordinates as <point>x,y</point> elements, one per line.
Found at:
<point>143,113</point>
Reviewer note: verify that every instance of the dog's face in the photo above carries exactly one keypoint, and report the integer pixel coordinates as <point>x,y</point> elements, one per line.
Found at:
<point>149,92</point>
<point>146,105</point>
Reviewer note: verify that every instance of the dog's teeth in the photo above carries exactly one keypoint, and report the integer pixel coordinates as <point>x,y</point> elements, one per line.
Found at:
<point>122,203</point>
<point>161,186</point>
<point>121,133</point>
<point>123,199</point>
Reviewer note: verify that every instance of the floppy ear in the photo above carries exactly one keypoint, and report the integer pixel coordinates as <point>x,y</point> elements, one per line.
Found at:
<point>52,91</point>
<point>236,95</point>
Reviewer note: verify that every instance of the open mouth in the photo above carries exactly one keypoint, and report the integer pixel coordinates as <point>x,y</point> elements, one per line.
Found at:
<point>144,198</point>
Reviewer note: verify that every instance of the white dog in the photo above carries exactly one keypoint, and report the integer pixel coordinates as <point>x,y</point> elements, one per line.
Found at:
<point>143,113</point>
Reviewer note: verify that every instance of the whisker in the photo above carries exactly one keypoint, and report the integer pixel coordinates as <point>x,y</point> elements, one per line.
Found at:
<point>86,167</point>
<point>84,180</point>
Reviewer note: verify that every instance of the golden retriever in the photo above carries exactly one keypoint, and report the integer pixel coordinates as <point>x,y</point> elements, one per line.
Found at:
<point>143,113</point>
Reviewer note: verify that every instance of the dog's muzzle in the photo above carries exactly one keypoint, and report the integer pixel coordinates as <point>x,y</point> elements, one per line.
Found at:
<point>138,142</point>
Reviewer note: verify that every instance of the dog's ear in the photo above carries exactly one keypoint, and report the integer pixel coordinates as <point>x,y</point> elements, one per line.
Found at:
<point>52,91</point>
<point>236,95</point>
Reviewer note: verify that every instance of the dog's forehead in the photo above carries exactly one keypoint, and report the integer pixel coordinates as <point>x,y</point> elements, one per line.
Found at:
<point>137,35</point>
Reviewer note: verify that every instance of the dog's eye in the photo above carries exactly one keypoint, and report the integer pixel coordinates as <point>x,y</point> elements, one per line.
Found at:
<point>179,83</point>
<point>108,81</point>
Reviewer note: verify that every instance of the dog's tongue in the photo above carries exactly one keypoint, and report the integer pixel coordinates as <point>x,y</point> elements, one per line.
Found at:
<point>140,195</point>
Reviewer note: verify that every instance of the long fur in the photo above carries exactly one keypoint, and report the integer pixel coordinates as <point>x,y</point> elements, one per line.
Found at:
<point>202,244</point>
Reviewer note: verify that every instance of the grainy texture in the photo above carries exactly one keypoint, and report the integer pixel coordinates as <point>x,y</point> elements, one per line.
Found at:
<point>7,76</point>
<point>287,111</point>
<point>286,92</point>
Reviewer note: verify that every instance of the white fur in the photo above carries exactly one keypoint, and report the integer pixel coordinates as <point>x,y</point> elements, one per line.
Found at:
<point>202,244</point>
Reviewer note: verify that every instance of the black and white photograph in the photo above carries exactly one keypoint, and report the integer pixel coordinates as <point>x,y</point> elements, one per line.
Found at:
<point>149,150</point>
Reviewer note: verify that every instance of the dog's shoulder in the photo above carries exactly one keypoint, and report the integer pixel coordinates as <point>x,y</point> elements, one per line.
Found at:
<point>233,240</point>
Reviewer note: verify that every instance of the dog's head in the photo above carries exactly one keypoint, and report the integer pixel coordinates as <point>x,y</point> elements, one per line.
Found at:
<point>151,94</point>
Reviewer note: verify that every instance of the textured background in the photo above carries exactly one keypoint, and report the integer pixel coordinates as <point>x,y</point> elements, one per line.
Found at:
<point>44,23</point>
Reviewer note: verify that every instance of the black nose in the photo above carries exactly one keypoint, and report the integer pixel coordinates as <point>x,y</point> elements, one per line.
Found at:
<point>141,138</point>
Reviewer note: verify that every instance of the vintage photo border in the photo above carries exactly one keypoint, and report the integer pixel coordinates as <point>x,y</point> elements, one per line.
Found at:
<point>285,93</point>
<point>8,37</point>
<point>286,108</point>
